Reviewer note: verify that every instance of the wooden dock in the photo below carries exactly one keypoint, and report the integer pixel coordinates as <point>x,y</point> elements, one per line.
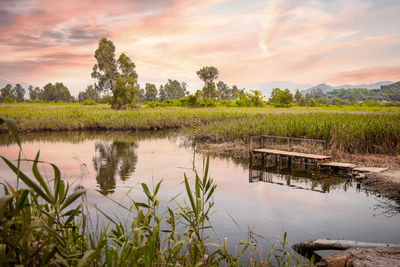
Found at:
<point>259,145</point>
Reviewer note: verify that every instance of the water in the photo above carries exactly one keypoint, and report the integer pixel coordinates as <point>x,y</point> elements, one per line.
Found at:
<point>265,200</point>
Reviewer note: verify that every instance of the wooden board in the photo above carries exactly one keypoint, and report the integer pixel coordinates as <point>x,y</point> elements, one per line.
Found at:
<point>337,164</point>
<point>290,154</point>
<point>369,169</point>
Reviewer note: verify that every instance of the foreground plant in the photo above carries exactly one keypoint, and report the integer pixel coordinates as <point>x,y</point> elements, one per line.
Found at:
<point>44,223</point>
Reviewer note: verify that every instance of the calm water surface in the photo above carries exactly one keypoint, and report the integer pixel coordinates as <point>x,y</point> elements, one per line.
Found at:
<point>265,200</point>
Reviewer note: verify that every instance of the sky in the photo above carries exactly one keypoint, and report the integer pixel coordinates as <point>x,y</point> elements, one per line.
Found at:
<point>306,42</point>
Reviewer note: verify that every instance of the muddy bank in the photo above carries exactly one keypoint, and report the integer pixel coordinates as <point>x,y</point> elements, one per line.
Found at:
<point>386,183</point>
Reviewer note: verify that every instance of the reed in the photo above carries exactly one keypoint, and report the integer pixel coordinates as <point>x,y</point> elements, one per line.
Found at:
<point>349,129</point>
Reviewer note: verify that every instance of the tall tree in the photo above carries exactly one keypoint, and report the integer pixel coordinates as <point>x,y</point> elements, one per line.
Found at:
<point>208,74</point>
<point>19,92</point>
<point>34,93</point>
<point>162,94</point>
<point>281,97</point>
<point>55,92</point>
<point>118,76</point>
<point>298,96</point>
<point>150,92</point>
<point>224,92</point>
<point>175,89</point>
<point>7,91</point>
<point>89,93</point>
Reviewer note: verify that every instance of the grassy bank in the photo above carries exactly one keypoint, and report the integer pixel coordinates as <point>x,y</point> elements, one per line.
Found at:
<point>348,129</point>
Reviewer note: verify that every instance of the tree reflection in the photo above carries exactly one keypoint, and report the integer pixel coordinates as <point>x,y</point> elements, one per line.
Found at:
<point>112,159</point>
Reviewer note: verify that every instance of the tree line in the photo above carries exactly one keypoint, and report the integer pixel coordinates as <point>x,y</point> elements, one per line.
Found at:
<point>117,85</point>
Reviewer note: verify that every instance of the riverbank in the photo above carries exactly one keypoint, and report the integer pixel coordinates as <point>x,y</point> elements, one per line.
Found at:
<point>353,130</point>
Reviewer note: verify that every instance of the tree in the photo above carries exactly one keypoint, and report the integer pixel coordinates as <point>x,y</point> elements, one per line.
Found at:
<point>298,96</point>
<point>175,89</point>
<point>150,92</point>
<point>209,91</point>
<point>224,92</point>
<point>208,74</point>
<point>352,98</point>
<point>19,93</point>
<point>162,94</point>
<point>126,92</point>
<point>34,93</point>
<point>89,93</point>
<point>56,92</point>
<point>256,98</point>
<point>311,102</point>
<point>281,97</point>
<point>118,76</point>
<point>8,92</point>
<point>238,94</point>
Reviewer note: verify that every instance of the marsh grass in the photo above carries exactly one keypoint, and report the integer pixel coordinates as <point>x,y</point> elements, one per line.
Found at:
<point>347,129</point>
<point>43,223</point>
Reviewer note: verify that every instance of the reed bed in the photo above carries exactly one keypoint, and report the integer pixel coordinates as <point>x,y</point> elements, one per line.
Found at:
<point>348,129</point>
<point>347,132</point>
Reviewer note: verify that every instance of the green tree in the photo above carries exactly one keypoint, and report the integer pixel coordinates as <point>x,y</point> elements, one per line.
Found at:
<point>89,93</point>
<point>256,98</point>
<point>56,92</point>
<point>8,92</point>
<point>352,98</point>
<point>208,74</point>
<point>19,92</point>
<point>118,76</point>
<point>175,89</point>
<point>298,96</point>
<point>150,92</point>
<point>210,91</point>
<point>238,94</point>
<point>224,92</point>
<point>34,93</point>
<point>281,97</point>
<point>162,93</point>
<point>311,102</point>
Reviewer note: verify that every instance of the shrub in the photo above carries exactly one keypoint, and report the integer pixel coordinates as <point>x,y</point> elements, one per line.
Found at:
<point>89,102</point>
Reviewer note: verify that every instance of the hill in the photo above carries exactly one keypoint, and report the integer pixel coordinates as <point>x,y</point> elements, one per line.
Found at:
<point>327,88</point>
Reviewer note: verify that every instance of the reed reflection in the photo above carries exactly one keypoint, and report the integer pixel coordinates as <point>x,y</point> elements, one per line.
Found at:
<point>112,160</point>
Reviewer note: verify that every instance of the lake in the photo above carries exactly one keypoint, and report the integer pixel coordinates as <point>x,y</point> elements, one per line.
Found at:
<point>267,200</point>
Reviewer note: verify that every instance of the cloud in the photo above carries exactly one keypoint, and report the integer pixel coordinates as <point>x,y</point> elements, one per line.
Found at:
<point>302,41</point>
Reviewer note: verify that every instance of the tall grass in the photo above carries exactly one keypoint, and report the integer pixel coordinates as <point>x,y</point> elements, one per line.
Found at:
<point>350,129</point>
<point>43,223</point>
<point>354,133</point>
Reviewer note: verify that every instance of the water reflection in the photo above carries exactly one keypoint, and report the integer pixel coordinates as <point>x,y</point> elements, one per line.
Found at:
<point>300,178</point>
<point>110,160</point>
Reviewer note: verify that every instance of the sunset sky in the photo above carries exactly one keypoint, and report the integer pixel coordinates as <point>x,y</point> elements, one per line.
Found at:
<point>250,42</point>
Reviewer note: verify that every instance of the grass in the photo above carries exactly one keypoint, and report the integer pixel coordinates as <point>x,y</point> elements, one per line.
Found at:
<point>351,129</point>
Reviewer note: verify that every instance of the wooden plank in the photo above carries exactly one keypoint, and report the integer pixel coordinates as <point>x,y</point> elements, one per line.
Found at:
<point>337,164</point>
<point>369,169</point>
<point>290,153</point>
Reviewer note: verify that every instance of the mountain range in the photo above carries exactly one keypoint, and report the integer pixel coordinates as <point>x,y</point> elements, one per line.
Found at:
<point>327,88</point>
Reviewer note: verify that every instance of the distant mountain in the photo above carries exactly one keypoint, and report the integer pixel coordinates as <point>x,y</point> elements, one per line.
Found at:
<point>327,88</point>
<point>5,82</point>
<point>391,92</point>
